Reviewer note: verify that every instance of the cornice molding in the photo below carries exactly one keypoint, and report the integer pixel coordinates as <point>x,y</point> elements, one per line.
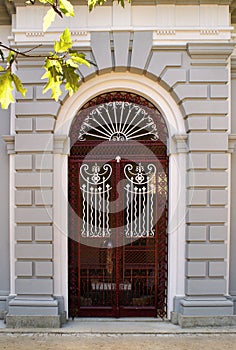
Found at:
<point>210,50</point>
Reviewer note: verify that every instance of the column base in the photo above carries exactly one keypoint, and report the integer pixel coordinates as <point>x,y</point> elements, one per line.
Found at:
<point>33,321</point>
<point>203,321</point>
<point>3,306</point>
<point>31,313</point>
<point>198,312</point>
<point>233,297</point>
<point>206,307</point>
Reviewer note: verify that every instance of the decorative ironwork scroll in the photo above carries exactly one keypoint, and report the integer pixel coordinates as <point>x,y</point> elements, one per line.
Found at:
<point>95,199</point>
<point>140,200</point>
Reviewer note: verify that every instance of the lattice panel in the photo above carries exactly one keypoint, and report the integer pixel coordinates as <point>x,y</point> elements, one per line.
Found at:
<point>162,242</point>
<point>73,239</point>
<point>97,277</point>
<point>107,150</point>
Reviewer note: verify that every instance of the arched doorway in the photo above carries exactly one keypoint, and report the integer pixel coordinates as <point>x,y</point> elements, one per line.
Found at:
<point>118,180</point>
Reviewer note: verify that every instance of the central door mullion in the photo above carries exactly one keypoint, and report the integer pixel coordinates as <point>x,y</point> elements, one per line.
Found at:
<point>117,238</point>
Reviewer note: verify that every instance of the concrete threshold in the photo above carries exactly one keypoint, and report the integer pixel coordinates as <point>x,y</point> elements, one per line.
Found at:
<point>127,326</point>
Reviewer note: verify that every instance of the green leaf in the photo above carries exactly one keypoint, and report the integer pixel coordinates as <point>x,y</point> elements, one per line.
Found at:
<point>1,54</point>
<point>54,74</point>
<point>79,58</point>
<point>65,42</point>
<point>67,8</point>
<point>71,63</point>
<point>72,79</point>
<point>1,69</point>
<point>55,86</point>
<point>18,85</point>
<point>48,19</point>
<point>6,88</point>
<point>54,61</point>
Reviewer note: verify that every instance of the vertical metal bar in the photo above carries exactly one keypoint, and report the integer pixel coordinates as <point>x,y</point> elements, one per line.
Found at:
<point>135,211</point>
<point>144,213</point>
<point>78,242</point>
<point>99,212</point>
<point>117,248</point>
<point>156,238</point>
<point>126,190</point>
<point>151,213</point>
<point>95,213</point>
<point>91,211</point>
<point>107,210</point>
<point>83,210</point>
<point>131,209</point>
<point>87,217</point>
<point>148,211</point>
<point>140,212</point>
<point>103,208</point>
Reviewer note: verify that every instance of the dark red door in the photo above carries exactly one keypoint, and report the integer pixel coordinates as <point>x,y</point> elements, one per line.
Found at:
<point>118,239</point>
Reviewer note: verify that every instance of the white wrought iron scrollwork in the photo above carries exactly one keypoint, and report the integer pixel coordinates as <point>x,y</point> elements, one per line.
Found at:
<point>95,200</point>
<point>118,121</point>
<point>140,200</point>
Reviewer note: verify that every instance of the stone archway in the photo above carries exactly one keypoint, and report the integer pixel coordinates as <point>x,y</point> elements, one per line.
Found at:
<point>175,124</point>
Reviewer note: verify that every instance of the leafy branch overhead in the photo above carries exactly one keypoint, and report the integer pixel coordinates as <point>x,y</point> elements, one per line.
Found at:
<point>7,82</point>
<point>61,65</point>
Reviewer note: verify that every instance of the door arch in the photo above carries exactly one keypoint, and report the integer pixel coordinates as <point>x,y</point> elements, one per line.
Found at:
<point>118,256</point>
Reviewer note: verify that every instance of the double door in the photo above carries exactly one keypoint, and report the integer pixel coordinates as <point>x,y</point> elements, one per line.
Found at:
<point>117,245</point>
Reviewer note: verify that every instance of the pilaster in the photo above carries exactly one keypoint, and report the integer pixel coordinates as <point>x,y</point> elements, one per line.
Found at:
<point>208,182</point>
<point>32,302</point>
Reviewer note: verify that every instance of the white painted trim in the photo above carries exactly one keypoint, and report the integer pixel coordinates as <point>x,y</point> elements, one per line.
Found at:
<point>176,228</point>
<point>10,143</point>
<point>229,182</point>
<point>60,227</point>
<point>177,190</point>
<point>228,223</point>
<point>168,22</point>
<point>12,222</point>
<point>12,225</point>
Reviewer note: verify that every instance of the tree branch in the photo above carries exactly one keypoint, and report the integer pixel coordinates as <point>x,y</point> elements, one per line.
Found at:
<point>10,49</point>
<point>25,53</point>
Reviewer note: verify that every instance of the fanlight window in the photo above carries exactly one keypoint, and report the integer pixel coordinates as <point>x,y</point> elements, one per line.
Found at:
<point>118,116</point>
<point>118,121</point>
